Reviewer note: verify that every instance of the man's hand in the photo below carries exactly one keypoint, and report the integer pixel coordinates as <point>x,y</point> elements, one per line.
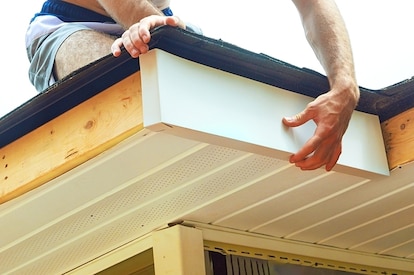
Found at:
<point>331,112</point>
<point>326,33</point>
<point>136,38</point>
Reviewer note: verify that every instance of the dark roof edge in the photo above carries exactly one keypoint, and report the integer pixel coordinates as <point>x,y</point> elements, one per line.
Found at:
<point>65,95</point>
<point>385,103</point>
<point>92,79</point>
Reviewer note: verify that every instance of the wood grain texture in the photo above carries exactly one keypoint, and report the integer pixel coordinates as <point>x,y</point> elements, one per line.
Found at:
<point>71,139</point>
<point>398,133</point>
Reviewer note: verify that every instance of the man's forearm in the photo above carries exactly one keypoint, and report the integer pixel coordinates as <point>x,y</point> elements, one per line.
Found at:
<point>327,35</point>
<point>129,12</point>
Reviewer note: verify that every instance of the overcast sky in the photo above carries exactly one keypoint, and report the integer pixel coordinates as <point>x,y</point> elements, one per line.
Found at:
<point>380,31</point>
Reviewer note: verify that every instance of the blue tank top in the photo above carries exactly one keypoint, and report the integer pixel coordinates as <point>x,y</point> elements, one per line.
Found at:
<point>68,12</point>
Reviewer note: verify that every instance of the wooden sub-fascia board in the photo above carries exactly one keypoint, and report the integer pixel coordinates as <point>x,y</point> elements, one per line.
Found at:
<point>398,133</point>
<point>64,95</point>
<point>72,138</point>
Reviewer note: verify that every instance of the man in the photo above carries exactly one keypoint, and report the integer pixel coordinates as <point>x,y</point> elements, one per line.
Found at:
<point>325,31</point>
<point>69,34</point>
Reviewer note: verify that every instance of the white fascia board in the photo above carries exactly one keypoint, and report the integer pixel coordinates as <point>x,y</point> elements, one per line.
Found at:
<point>198,102</point>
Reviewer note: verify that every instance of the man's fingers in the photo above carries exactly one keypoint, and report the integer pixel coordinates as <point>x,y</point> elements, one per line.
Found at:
<point>151,22</point>
<point>130,44</point>
<point>175,21</point>
<point>171,21</point>
<point>323,155</point>
<point>334,158</point>
<point>308,148</point>
<point>297,120</point>
<point>116,47</point>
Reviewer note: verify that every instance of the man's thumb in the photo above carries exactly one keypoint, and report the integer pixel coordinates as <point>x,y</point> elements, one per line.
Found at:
<point>296,120</point>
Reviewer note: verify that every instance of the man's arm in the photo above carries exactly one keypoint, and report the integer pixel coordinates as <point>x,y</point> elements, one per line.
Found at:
<point>328,37</point>
<point>129,12</point>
